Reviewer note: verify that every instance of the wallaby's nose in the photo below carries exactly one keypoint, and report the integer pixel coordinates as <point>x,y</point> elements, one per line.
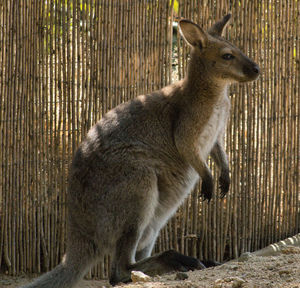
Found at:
<point>256,69</point>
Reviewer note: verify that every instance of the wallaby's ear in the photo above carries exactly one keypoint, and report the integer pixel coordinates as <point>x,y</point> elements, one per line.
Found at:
<point>218,28</point>
<point>192,33</point>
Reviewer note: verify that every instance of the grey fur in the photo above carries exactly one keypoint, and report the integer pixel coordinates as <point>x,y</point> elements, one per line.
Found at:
<point>142,159</point>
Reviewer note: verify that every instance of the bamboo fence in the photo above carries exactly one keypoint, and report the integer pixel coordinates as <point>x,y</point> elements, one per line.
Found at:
<point>63,64</point>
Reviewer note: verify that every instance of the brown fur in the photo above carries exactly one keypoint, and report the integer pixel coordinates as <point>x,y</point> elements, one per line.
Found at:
<point>144,157</point>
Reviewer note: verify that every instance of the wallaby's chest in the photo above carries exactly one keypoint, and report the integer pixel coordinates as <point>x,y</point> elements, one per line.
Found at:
<point>215,124</point>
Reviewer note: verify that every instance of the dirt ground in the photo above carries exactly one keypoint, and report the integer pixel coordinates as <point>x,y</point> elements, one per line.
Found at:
<point>249,271</point>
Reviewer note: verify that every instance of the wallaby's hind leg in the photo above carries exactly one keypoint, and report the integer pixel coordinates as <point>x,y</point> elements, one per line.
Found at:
<point>141,191</point>
<point>126,247</point>
<point>165,262</point>
<point>124,256</point>
<point>168,261</point>
<point>146,243</point>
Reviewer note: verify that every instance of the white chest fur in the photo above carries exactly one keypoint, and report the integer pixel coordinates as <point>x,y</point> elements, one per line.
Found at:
<point>214,126</point>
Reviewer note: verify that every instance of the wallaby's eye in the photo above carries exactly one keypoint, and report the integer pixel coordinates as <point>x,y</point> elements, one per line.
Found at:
<point>228,56</point>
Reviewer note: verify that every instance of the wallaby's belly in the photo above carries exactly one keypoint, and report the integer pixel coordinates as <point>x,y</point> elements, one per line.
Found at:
<point>173,188</point>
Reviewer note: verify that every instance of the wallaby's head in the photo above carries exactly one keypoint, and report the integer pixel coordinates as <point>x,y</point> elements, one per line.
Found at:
<point>216,56</point>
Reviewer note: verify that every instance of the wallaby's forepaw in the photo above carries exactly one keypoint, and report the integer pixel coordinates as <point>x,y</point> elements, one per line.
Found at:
<point>224,183</point>
<point>207,189</point>
<point>179,262</point>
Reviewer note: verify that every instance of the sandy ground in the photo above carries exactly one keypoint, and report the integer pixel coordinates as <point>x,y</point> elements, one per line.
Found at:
<point>249,271</point>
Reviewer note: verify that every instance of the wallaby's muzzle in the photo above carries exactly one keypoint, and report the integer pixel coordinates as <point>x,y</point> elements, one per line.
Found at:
<point>251,70</point>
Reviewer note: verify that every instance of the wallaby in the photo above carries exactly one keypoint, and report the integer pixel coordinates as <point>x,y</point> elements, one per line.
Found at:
<point>142,159</point>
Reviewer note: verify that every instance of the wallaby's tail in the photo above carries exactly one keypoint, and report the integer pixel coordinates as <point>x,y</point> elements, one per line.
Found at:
<point>79,258</point>
<point>62,276</point>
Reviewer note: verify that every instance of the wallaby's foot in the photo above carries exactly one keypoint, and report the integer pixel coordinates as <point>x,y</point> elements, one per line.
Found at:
<point>165,262</point>
<point>207,189</point>
<point>210,263</point>
<point>224,183</point>
<point>174,261</point>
